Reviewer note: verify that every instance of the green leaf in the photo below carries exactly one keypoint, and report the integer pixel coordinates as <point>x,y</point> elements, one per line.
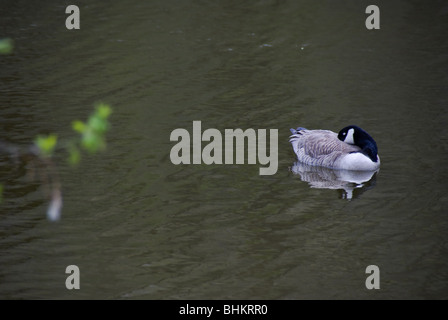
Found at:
<point>6,46</point>
<point>75,155</point>
<point>46,144</point>
<point>97,124</point>
<point>79,126</point>
<point>92,142</point>
<point>103,110</point>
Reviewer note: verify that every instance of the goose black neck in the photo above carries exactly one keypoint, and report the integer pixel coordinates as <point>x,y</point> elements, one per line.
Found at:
<point>363,140</point>
<point>369,148</point>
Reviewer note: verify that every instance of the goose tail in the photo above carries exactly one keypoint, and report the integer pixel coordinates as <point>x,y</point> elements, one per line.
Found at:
<point>296,134</point>
<point>297,131</point>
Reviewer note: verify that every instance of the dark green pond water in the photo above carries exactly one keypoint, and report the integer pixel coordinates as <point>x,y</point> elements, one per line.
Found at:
<point>140,227</point>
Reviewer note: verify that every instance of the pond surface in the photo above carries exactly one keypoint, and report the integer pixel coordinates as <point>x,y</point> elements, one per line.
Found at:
<point>140,227</point>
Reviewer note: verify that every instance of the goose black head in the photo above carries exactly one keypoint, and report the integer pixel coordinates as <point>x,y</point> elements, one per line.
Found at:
<point>357,136</point>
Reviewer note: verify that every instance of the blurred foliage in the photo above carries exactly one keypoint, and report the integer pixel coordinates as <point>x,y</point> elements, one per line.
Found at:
<point>92,133</point>
<point>92,136</point>
<point>6,46</point>
<point>46,144</point>
<point>91,139</point>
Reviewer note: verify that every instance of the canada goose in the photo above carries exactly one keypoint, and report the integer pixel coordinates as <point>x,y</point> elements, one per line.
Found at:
<point>351,149</point>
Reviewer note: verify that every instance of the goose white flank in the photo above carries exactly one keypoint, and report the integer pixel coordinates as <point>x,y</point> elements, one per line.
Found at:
<point>350,149</point>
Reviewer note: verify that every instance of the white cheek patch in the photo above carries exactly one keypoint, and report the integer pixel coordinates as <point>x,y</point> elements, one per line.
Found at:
<point>349,138</point>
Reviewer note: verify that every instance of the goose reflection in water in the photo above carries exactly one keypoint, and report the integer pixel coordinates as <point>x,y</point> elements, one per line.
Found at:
<point>350,183</point>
